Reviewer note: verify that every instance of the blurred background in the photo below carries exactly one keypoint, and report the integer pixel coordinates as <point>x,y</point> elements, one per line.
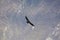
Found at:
<point>44,14</point>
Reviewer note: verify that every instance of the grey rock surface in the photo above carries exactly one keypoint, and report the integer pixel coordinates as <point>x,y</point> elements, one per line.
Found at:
<point>44,14</point>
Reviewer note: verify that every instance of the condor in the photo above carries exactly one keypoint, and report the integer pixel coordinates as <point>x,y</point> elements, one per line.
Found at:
<point>28,21</point>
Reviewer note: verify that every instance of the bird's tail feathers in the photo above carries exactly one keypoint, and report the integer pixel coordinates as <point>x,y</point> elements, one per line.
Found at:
<point>27,22</point>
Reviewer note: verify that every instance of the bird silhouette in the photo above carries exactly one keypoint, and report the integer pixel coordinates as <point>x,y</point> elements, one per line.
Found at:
<point>29,21</point>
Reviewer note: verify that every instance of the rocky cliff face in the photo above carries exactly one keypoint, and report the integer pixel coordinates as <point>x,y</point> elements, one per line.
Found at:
<point>44,14</point>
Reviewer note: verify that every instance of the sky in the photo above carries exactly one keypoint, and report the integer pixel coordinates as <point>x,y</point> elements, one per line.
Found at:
<point>44,14</point>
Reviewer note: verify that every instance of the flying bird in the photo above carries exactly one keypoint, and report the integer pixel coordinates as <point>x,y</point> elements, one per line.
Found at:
<point>28,21</point>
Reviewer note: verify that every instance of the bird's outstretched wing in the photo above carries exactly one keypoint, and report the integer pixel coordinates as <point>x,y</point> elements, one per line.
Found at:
<point>29,21</point>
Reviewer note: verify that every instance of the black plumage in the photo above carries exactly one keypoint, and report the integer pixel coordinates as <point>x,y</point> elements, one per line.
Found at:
<point>28,21</point>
